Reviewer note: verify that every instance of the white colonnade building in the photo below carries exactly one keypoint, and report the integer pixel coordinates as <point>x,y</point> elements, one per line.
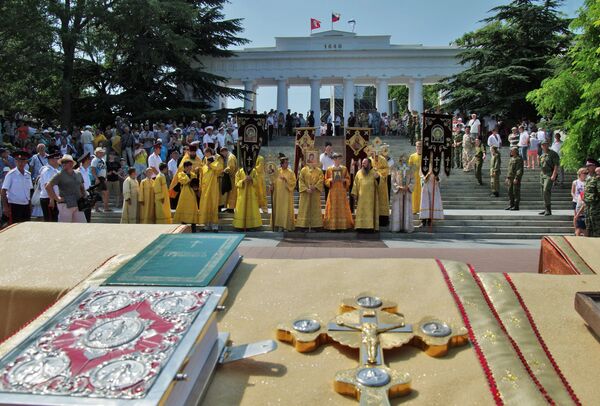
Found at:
<point>336,58</point>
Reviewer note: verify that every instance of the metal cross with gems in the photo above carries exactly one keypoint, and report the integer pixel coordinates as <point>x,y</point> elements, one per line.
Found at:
<point>372,325</point>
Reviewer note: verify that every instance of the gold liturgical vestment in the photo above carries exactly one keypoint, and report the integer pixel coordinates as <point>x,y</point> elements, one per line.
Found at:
<point>246,214</point>
<point>282,214</point>
<point>414,161</point>
<point>365,189</point>
<point>209,199</point>
<point>131,190</point>
<point>162,206</point>
<point>146,201</point>
<point>379,164</point>
<point>187,205</point>
<point>261,188</point>
<point>337,209</point>
<point>228,199</point>
<point>309,207</point>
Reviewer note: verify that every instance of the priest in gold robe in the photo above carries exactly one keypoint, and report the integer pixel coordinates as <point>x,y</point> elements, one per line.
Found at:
<point>414,161</point>
<point>146,198</point>
<point>193,157</point>
<point>310,186</point>
<point>228,199</point>
<point>131,191</point>
<point>246,215</point>
<point>187,205</point>
<point>380,166</point>
<point>162,205</point>
<point>283,182</point>
<point>210,195</point>
<point>365,191</point>
<point>261,187</point>
<point>337,209</point>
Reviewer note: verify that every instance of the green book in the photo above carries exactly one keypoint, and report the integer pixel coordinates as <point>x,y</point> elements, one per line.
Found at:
<point>182,260</point>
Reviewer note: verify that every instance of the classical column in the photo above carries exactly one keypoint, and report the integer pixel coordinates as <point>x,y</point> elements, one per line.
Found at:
<point>415,95</point>
<point>382,96</point>
<point>348,99</point>
<point>282,96</point>
<point>250,98</point>
<point>315,98</point>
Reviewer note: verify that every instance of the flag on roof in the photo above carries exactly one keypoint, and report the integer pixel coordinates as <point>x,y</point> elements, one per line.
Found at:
<point>335,17</point>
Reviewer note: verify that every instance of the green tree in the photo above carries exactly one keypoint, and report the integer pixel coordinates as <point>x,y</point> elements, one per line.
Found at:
<point>430,96</point>
<point>97,58</point>
<point>507,58</point>
<point>571,97</point>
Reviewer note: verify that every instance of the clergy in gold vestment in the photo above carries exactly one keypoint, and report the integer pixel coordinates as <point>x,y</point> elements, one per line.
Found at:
<point>246,214</point>
<point>131,190</point>
<point>190,156</point>
<point>209,201</point>
<point>379,165</point>
<point>229,199</point>
<point>162,205</point>
<point>365,191</point>
<point>337,209</point>
<point>310,186</point>
<point>283,182</point>
<point>414,161</point>
<point>147,198</point>
<point>187,205</point>
<point>261,187</point>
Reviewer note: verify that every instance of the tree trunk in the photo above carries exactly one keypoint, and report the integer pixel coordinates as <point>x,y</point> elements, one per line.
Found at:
<point>67,83</point>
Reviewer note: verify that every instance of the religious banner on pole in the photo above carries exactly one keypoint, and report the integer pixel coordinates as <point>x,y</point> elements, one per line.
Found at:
<point>305,141</point>
<point>251,130</point>
<point>437,143</point>
<point>357,141</point>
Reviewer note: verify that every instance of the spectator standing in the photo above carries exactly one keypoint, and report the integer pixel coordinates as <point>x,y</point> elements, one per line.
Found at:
<point>48,171</point>
<point>140,157</point>
<point>85,161</point>
<point>87,140</point>
<point>513,137</point>
<point>532,151</point>
<point>113,183</point>
<point>154,160</point>
<point>475,125</point>
<point>127,146</point>
<point>556,147</point>
<point>70,190</point>
<point>523,143</point>
<point>99,174</point>
<point>16,190</point>
<point>38,161</point>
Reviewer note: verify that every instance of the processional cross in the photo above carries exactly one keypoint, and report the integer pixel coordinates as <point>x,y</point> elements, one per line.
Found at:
<point>372,325</point>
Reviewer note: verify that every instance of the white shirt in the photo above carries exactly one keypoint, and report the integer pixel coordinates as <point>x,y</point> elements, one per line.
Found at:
<point>85,174</point>
<point>556,145</point>
<point>523,139</point>
<point>207,139</point>
<point>86,137</point>
<point>46,174</point>
<point>494,140</point>
<point>100,165</point>
<point>221,140</point>
<point>326,161</point>
<point>153,162</point>
<point>474,124</point>
<point>172,165</point>
<point>18,186</point>
<point>541,135</point>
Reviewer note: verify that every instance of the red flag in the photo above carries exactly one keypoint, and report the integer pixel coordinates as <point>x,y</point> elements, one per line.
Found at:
<point>314,24</point>
<point>335,17</point>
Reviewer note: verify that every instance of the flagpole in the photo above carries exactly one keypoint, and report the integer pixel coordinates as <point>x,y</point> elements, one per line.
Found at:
<point>331,20</point>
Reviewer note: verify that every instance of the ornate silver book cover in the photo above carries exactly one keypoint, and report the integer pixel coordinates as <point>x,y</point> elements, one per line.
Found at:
<point>111,346</point>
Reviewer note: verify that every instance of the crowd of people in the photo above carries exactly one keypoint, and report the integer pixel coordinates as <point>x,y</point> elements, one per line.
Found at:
<point>150,170</point>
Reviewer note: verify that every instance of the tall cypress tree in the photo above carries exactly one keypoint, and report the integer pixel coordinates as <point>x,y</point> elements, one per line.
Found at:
<point>508,57</point>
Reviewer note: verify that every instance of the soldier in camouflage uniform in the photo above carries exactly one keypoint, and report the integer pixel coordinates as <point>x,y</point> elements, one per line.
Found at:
<point>479,157</point>
<point>549,164</point>
<point>513,178</point>
<point>495,172</point>
<point>591,197</point>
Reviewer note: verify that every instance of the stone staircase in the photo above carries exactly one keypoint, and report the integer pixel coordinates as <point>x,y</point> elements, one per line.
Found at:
<point>470,212</point>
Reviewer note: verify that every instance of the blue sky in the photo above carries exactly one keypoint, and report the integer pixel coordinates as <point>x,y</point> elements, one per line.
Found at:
<point>427,22</point>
